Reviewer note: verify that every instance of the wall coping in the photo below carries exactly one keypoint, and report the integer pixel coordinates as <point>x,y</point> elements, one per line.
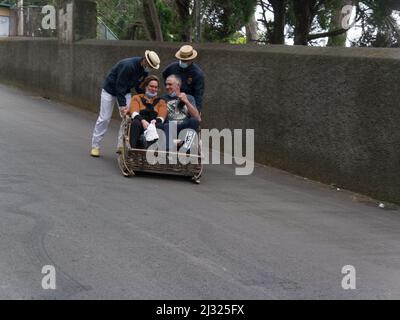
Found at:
<point>352,52</point>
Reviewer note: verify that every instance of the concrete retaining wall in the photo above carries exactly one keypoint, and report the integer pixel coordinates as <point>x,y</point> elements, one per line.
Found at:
<point>330,114</point>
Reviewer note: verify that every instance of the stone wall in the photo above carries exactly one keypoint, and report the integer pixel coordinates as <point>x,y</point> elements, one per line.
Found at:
<point>329,114</point>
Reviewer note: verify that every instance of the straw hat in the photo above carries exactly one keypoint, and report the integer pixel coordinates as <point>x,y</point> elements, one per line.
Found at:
<point>186,53</point>
<point>152,59</point>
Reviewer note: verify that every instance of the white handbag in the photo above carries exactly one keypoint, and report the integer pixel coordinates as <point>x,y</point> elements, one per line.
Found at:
<point>151,133</point>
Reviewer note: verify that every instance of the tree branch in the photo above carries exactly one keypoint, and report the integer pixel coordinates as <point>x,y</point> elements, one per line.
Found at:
<point>333,33</point>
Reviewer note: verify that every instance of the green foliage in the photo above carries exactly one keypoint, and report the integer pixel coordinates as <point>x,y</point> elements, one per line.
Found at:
<point>120,15</point>
<point>221,19</point>
<point>380,28</point>
<point>237,38</point>
<point>167,19</point>
<point>379,25</point>
<point>32,2</point>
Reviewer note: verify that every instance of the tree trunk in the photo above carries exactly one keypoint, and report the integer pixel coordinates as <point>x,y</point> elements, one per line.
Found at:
<point>304,15</point>
<point>251,30</point>
<point>336,23</point>
<point>183,7</point>
<point>279,7</point>
<point>152,10</point>
<point>197,20</point>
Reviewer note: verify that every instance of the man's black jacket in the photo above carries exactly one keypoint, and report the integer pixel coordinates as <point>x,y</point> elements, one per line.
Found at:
<point>125,75</point>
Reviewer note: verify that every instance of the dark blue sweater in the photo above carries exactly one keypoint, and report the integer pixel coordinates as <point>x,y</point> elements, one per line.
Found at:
<point>125,75</point>
<point>192,80</point>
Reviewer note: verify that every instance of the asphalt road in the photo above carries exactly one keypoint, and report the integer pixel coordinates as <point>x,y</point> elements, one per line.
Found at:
<point>270,235</point>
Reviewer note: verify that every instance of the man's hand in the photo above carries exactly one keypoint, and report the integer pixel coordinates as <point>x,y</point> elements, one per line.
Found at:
<point>123,111</point>
<point>183,97</point>
<point>191,108</point>
<point>145,124</point>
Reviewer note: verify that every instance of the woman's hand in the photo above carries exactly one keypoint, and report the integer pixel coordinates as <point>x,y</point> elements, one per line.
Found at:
<point>145,124</point>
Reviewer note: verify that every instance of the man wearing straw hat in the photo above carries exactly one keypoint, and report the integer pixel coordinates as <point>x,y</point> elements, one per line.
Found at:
<point>190,73</point>
<point>125,75</point>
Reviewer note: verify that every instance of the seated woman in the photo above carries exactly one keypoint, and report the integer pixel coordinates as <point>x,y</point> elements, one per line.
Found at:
<point>146,108</point>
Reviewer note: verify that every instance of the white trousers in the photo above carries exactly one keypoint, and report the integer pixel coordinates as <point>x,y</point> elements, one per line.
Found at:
<point>106,109</point>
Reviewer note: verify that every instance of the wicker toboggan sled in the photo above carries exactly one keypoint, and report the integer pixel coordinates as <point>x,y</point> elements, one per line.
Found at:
<point>133,160</point>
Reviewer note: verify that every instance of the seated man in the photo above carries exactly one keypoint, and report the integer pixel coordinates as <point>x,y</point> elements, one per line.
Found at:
<point>145,109</point>
<point>182,111</point>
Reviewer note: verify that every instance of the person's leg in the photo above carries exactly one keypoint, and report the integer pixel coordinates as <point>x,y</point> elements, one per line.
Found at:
<point>121,128</point>
<point>190,126</point>
<point>106,108</point>
<point>171,133</point>
<point>136,131</point>
<point>166,132</point>
<point>193,124</point>
<point>190,123</point>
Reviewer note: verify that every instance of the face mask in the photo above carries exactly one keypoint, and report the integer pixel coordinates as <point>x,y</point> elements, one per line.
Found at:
<point>173,94</point>
<point>183,65</point>
<point>150,94</point>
